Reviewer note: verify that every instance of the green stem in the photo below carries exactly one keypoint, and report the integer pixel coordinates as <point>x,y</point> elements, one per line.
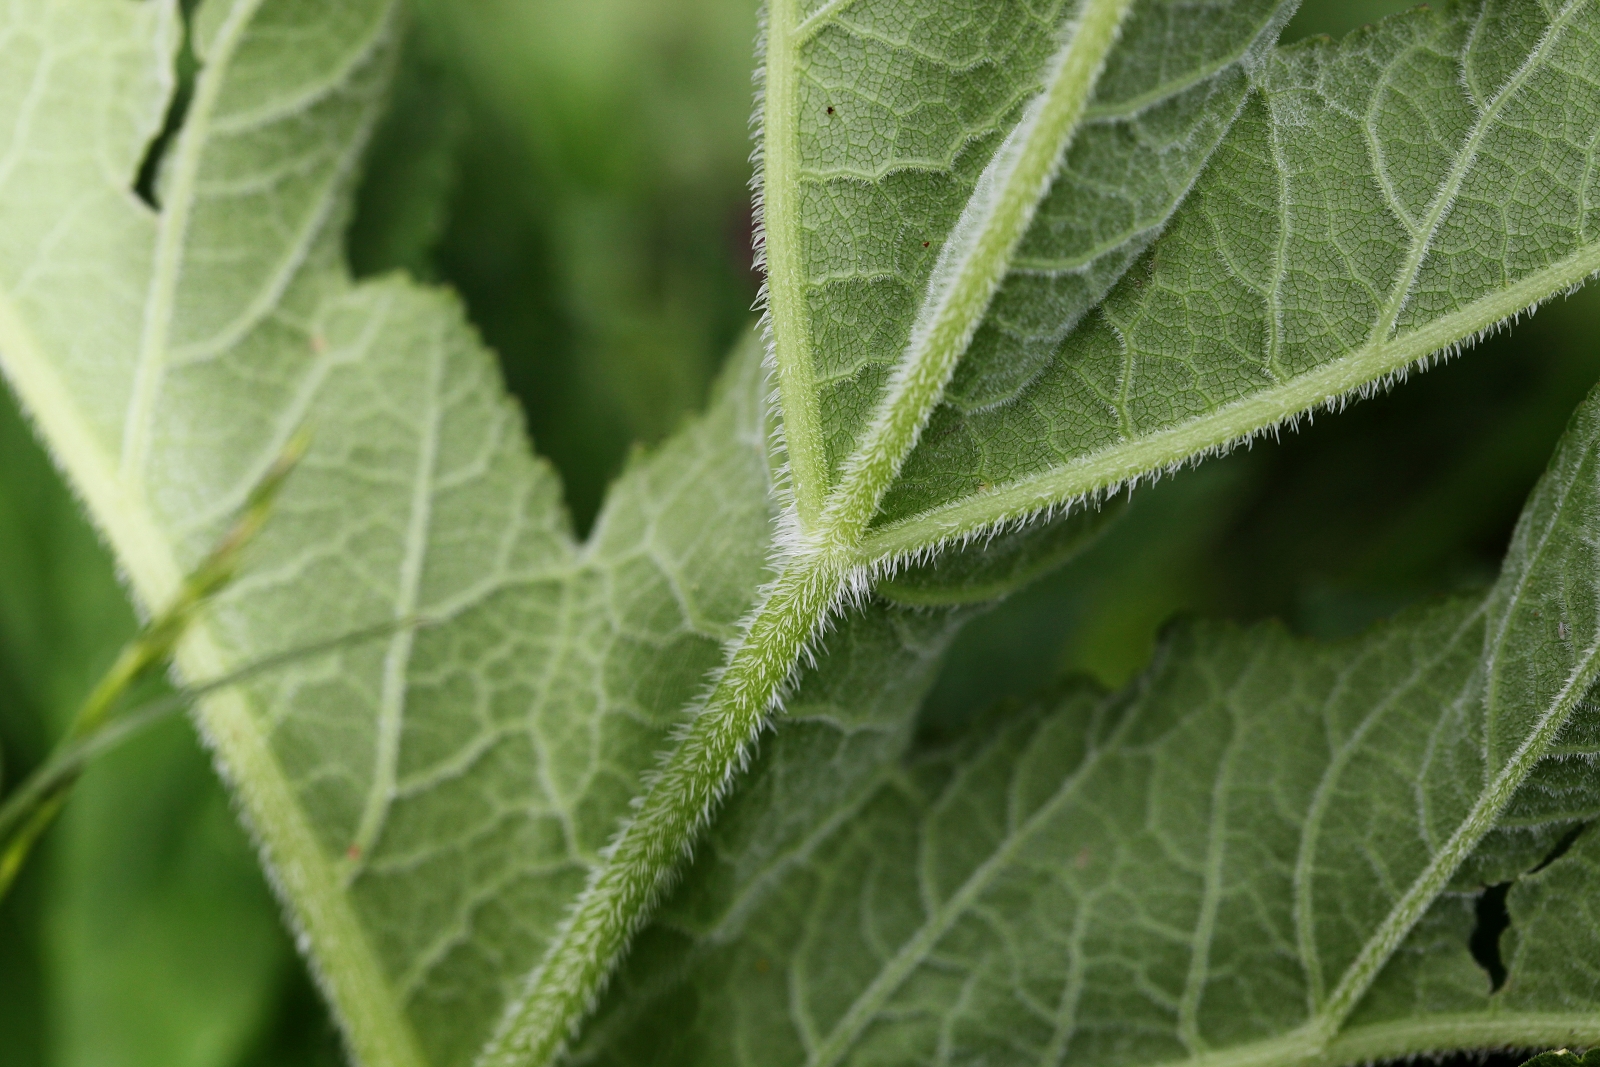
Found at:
<point>72,756</point>
<point>643,858</point>
<point>674,807</point>
<point>16,852</point>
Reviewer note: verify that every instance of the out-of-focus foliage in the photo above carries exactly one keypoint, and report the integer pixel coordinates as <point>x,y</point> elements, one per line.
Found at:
<point>577,170</point>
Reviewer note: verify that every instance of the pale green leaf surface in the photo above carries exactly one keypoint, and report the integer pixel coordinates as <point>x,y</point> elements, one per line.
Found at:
<point>889,112</point>
<point>1379,199</point>
<point>466,779</point>
<point>430,803</point>
<point>1264,849</point>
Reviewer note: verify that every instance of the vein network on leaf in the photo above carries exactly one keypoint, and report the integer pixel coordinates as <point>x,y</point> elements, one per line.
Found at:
<point>1020,257</point>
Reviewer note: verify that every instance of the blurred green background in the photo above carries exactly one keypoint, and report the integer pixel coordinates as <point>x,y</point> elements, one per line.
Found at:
<point>577,170</point>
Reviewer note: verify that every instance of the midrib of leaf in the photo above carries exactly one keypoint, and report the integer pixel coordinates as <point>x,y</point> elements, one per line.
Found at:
<point>350,974</point>
<point>791,348</point>
<point>819,570</point>
<point>1234,423</point>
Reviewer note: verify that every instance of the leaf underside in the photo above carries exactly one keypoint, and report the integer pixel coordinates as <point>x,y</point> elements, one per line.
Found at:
<point>1192,868</point>
<point>887,162</point>
<point>1377,200</point>
<point>431,802</point>
<point>1235,234</point>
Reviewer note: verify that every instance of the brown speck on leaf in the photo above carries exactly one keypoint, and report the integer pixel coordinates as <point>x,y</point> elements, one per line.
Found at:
<point>1082,859</point>
<point>319,343</point>
<point>830,109</point>
<point>353,852</point>
<point>925,244</point>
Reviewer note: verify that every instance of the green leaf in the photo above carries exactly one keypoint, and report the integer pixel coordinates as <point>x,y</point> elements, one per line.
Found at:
<point>428,804</point>
<point>1264,850</point>
<point>1562,1058</point>
<point>1554,938</point>
<point>890,133</point>
<point>463,818</point>
<point>1296,156</point>
<point>1379,200</point>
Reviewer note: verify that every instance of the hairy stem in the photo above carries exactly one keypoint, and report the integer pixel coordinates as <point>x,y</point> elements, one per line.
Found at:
<point>644,858</point>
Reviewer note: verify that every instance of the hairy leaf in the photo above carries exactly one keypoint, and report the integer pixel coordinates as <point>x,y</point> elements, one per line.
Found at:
<point>428,803</point>
<point>950,189</point>
<point>1378,200</point>
<point>1265,850</point>
<point>1563,1058</point>
<point>884,123</point>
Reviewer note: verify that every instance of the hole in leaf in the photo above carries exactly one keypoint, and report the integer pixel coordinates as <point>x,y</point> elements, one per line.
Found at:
<point>1567,841</point>
<point>149,173</point>
<point>1493,919</point>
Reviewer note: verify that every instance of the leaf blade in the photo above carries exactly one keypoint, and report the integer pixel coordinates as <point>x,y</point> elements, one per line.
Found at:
<point>827,165</point>
<point>1252,855</point>
<point>350,769</point>
<point>1233,326</point>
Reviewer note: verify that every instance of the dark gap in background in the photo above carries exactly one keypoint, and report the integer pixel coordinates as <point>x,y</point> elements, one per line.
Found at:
<point>301,1032</point>
<point>1493,920</point>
